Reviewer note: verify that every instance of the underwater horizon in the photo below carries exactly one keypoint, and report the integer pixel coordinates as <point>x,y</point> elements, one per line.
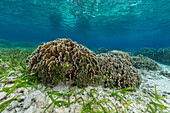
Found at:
<point>112,24</point>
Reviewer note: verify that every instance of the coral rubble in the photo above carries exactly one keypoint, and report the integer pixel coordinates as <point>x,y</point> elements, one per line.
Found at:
<point>142,62</point>
<point>65,60</point>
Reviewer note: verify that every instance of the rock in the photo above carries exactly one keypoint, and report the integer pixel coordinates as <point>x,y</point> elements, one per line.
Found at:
<point>30,110</point>
<point>18,109</point>
<point>2,95</point>
<point>61,87</point>
<point>36,97</point>
<point>27,103</point>
<point>12,105</point>
<point>165,73</point>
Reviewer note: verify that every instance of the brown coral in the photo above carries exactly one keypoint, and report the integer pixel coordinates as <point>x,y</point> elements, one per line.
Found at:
<point>63,60</point>
<point>142,62</point>
<point>118,70</point>
<point>123,55</point>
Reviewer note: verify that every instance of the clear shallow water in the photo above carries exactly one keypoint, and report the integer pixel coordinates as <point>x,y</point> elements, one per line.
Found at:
<point>94,23</point>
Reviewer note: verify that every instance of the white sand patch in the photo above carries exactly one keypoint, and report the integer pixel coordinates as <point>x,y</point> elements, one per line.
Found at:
<point>165,67</point>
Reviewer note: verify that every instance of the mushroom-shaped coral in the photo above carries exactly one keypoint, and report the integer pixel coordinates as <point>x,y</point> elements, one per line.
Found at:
<point>118,70</point>
<point>64,60</point>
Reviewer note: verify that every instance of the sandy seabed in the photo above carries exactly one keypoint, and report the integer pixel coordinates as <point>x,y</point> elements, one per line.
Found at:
<point>37,100</point>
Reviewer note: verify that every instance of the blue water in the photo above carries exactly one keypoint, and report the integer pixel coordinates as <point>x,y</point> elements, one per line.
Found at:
<point>113,24</point>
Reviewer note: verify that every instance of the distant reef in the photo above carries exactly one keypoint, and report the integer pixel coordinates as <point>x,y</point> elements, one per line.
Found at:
<point>142,62</point>
<point>101,50</point>
<point>5,44</point>
<point>24,44</point>
<point>161,55</point>
<point>21,44</point>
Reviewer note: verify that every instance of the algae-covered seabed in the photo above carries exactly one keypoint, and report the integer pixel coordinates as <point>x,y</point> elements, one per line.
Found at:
<point>21,92</point>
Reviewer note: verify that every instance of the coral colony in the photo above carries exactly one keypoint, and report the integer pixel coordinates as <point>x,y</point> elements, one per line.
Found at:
<point>65,60</point>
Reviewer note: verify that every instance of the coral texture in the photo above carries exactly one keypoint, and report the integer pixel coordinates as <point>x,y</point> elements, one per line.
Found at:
<point>124,55</point>
<point>64,60</point>
<point>142,62</point>
<point>117,67</point>
<point>161,55</point>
